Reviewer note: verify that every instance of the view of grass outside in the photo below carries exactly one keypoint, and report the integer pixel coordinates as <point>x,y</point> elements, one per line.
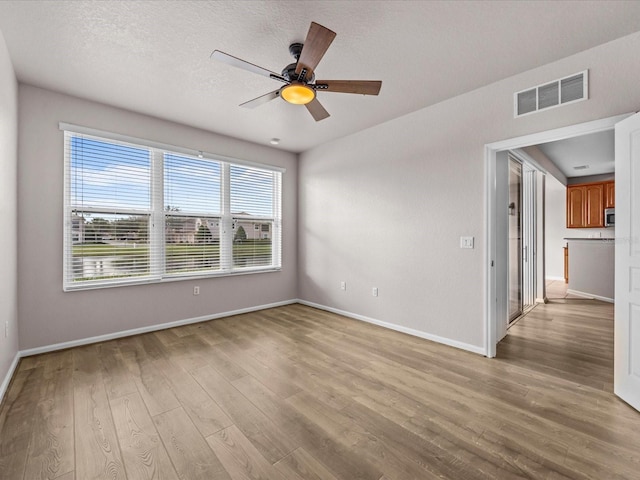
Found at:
<point>252,253</point>
<point>130,260</point>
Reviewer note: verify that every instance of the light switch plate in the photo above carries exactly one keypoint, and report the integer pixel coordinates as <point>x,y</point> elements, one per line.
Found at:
<point>466,242</point>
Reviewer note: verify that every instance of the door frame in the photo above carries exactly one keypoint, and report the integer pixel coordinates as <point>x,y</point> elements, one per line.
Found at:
<point>492,283</point>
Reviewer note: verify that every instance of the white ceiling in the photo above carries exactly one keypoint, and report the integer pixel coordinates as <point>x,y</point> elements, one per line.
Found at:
<point>153,57</point>
<point>596,150</point>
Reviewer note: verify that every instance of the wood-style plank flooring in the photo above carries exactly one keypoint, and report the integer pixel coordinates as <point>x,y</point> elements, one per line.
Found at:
<point>295,393</point>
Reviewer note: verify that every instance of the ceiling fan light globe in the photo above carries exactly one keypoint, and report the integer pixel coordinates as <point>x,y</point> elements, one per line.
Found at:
<point>297,94</point>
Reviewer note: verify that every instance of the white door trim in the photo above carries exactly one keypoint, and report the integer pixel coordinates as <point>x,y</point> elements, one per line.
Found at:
<point>491,255</point>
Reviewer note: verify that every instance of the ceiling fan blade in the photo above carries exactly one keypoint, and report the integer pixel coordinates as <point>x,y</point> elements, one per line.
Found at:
<point>238,62</point>
<point>363,87</point>
<point>256,102</point>
<point>315,45</point>
<point>316,110</point>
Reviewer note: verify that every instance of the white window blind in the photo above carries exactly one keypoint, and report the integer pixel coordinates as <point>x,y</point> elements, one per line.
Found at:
<point>192,214</point>
<point>254,198</point>
<point>136,213</point>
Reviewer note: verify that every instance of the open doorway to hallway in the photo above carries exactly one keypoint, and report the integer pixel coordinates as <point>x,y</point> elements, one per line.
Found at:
<point>626,353</point>
<point>497,286</point>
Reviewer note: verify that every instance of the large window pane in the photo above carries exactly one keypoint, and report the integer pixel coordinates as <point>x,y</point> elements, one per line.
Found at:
<point>109,246</point>
<point>109,175</point>
<point>252,243</point>
<point>191,244</point>
<point>191,184</point>
<point>252,191</point>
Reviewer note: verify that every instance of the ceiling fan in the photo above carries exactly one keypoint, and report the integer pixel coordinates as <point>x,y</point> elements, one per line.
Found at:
<point>299,78</point>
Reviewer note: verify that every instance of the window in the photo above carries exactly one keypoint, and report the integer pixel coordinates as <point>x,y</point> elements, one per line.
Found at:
<point>136,213</point>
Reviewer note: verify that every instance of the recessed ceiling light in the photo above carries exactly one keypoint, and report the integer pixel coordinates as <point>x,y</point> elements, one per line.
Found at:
<point>274,141</point>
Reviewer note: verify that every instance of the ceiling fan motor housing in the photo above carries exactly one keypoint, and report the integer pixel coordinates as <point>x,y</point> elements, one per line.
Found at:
<point>295,49</point>
<point>289,73</point>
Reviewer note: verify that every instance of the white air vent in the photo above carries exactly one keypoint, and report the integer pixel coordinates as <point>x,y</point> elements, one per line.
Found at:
<point>573,88</point>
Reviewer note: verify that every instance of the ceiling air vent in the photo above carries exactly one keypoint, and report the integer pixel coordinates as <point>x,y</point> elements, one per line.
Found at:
<point>553,94</point>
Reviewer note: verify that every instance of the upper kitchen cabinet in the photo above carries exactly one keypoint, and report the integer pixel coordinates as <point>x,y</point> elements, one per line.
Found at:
<point>586,204</point>
<point>609,195</point>
<point>576,200</point>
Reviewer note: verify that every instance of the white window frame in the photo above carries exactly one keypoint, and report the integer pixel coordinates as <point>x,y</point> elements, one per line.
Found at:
<point>157,215</point>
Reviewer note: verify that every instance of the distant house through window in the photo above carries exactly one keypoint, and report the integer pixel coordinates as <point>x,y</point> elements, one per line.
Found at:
<point>137,213</point>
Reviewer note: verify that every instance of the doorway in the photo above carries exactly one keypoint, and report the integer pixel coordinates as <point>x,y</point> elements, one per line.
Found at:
<point>496,254</point>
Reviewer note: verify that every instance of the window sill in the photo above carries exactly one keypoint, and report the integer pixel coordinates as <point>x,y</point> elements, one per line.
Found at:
<point>165,279</point>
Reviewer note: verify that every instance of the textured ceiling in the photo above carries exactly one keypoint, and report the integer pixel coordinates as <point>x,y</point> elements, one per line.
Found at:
<point>153,57</point>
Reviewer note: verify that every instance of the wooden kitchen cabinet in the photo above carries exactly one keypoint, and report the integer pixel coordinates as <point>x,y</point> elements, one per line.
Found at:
<point>594,208</point>
<point>576,199</point>
<point>585,205</point>
<point>609,195</point>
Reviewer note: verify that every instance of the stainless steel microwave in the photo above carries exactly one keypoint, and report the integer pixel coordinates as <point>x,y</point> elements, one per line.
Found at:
<point>609,217</point>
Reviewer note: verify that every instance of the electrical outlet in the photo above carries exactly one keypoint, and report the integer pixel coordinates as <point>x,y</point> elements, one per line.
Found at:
<point>6,329</point>
<point>466,242</point>
<point>196,290</point>
<point>343,285</point>
<point>374,291</point>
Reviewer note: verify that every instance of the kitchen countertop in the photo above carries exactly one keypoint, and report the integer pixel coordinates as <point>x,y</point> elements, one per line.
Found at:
<point>600,239</point>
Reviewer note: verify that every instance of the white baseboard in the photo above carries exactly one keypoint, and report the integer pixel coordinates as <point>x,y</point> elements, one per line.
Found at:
<point>9,376</point>
<point>188,321</point>
<point>590,295</point>
<point>150,328</point>
<point>399,328</point>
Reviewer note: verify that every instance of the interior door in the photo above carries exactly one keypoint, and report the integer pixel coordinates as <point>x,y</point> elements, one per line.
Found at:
<point>627,262</point>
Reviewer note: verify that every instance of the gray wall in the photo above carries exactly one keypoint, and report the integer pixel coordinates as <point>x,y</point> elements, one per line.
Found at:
<point>50,316</point>
<point>555,228</point>
<point>591,268</point>
<point>385,207</point>
<point>8,212</point>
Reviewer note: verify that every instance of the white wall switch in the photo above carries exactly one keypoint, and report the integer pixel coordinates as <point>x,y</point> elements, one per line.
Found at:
<point>343,285</point>
<point>466,242</point>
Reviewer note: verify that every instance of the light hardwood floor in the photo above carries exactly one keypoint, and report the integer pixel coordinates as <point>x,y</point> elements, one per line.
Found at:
<point>556,289</point>
<point>295,393</point>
